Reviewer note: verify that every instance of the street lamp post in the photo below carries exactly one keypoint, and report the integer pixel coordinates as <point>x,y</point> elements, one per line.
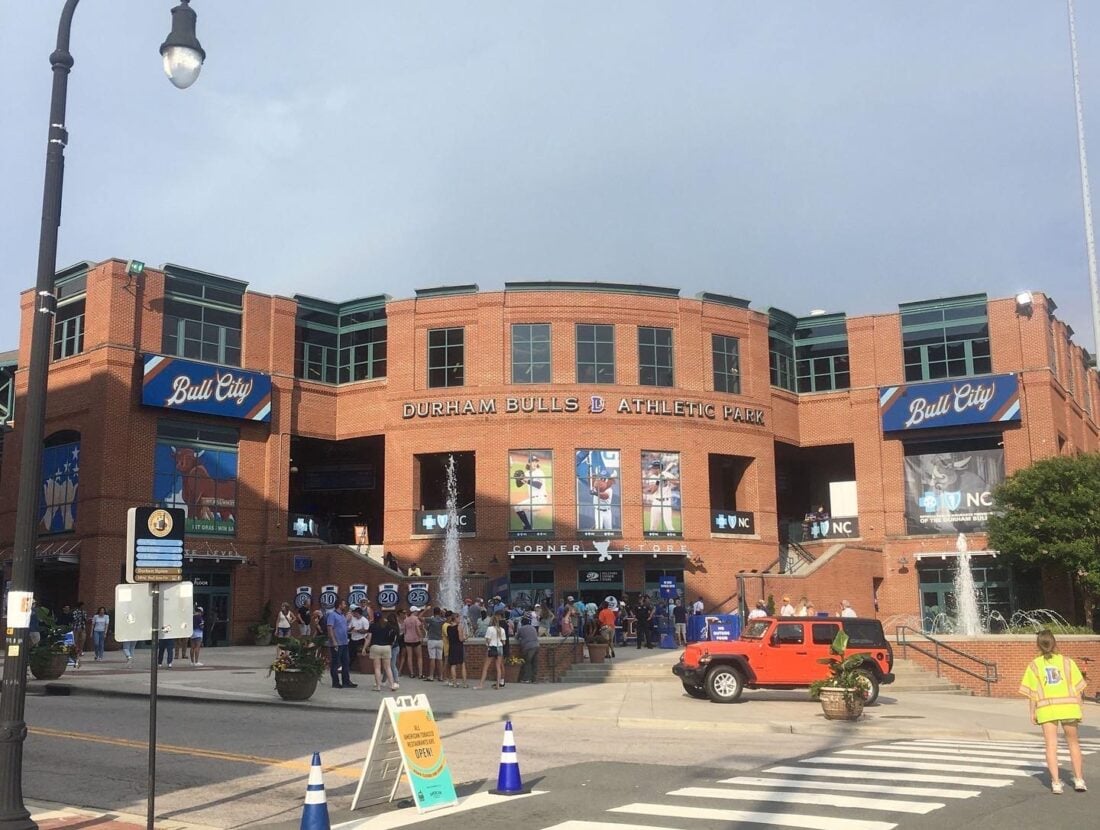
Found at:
<point>183,57</point>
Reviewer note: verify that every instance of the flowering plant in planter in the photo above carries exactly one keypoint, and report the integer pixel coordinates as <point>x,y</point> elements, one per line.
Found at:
<point>514,661</point>
<point>299,655</point>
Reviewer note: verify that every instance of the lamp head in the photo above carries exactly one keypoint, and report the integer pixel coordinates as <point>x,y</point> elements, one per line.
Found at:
<point>181,52</point>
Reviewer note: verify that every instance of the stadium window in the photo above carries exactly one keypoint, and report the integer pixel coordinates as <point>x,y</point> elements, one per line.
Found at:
<point>821,354</point>
<point>654,356</point>
<point>68,321</point>
<point>781,348</point>
<point>726,356</point>
<point>946,338</point>
<point>445,357</point>
<point>595,353</point>
<point>531,353</point>
<point>202,317</point>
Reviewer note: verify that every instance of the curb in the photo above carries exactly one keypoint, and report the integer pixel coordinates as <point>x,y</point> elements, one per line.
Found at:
<point>870,729</point>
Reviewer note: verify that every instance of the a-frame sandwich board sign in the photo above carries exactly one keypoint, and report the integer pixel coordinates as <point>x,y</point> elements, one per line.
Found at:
<point>406,745</point>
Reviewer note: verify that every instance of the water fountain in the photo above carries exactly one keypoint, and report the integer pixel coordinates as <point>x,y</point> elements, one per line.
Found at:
<point>967,619</point>
<point>450,582</point>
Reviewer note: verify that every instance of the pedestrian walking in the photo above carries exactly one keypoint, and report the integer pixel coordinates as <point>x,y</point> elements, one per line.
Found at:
<point>846,609</point>
<point>100,623</point>
<point>761,610</point>
<point>414,633</point>
<point>643,615</point>
<point>494,652</point>
<point>606,619</point>
<point>80,628</point>
<point>679,620</point>
<point>381,639</point>
<point>400,654</point>
<point>336,628</point>
<point>1053,685</point>
<point>456,649</point>
<point>197,626</point>
<point>165,649</point>
<point>528,638</point>
<point>358,628</point>
<point>786,609</point>
<point>283,620</point>
<point>434,634</point>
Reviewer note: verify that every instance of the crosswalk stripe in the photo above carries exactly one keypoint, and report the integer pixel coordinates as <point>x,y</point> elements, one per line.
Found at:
<point>902,756</point>
<point>955,750</point>
<point>1038,745</point>
<point>922,777</point>
<point>907,764</point>
<point>576,824</point>
<point>808,822</point>
<point>885,789</point>
<point>886,805</point>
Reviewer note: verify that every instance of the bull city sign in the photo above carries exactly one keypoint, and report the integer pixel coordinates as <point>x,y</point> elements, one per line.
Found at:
<point>596,404</point>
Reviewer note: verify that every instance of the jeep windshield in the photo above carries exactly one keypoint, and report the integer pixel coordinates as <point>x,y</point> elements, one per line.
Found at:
<point>755,630</point>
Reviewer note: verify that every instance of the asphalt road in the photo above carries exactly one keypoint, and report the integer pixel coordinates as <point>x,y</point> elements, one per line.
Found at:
<point>227,765</point>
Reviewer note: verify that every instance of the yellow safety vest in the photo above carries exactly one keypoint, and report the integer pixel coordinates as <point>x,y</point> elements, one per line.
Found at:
<point>1055,684</point>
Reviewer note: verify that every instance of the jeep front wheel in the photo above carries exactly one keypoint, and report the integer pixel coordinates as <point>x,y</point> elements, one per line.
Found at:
<point>694,691</point>
<point>870,686</point>
<point>724,684</point>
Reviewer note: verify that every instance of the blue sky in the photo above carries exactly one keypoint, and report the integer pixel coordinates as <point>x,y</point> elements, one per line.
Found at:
<point>845,156</point>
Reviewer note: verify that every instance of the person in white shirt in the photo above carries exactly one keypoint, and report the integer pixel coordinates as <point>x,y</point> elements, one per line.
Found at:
<point>761,610</point>
<point>697,606</point>
<point>358,627</point>
<point>786,610</point>
<point>846,609</point>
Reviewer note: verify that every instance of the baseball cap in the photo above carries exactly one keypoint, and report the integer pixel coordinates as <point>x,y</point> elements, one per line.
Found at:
<point>786,599</point>
<point>414,608</point>
<point>356,609</point>
<point>654,463</point>
<point>198,607</point>
<point>570,599</point>
<point>532,458</point>
<point>537,605</point>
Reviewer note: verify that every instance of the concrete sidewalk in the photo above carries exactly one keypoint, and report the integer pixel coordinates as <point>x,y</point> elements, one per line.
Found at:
<point>51,816</point>
<point>239,675</point>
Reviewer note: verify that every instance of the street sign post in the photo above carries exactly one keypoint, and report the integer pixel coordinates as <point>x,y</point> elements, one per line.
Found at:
<point>154,544</point>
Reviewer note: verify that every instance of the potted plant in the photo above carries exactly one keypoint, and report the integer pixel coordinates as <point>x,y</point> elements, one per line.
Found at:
<point>843,692</point>
<point>261,631</point>
<point>49,659</point>
<point>298,667</point>
<point>597,646</point>
<point>512,667</point>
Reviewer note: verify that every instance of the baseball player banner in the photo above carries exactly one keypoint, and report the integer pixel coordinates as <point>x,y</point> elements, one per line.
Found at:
<point>599,498</point>
<point>530,494</point>
<point>662,515</point>
<point>951,492</point>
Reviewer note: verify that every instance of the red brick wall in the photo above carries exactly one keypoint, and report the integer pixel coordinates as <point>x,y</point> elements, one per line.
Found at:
<point>1011,654</point>
<point>98,393</point>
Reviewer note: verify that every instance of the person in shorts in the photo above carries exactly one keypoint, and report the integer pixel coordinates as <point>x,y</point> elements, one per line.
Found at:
<point>304,615</point>
<point>434,628</point>
<point>1053,684</point>
<point>197,626</point>
<point>414,634</point>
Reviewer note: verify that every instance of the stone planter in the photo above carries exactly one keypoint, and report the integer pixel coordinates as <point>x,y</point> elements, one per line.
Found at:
<point>511,673</point>
<point>841,704</point>
<point>295,685</point>
<point>49,667</point>
<point>597,652</point>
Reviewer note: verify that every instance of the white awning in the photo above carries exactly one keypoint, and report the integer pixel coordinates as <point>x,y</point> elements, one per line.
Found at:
<point>952,554</point>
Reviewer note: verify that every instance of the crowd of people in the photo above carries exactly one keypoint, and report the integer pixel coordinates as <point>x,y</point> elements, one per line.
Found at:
<point>428,643</point>
<point>805,609</point>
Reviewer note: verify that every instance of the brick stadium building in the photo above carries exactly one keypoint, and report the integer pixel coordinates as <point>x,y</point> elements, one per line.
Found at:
<point>604,437</point>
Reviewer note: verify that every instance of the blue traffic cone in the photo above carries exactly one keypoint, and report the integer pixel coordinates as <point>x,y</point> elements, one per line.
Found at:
<point>315,813</point>
<point>508,781</point>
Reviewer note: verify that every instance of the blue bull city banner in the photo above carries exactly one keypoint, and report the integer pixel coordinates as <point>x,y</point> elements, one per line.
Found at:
<point>174,383</point>
<point>950,403</point>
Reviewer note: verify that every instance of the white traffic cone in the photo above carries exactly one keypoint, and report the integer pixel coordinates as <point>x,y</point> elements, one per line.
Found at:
<point>315,812</point>
<point>508,780</point>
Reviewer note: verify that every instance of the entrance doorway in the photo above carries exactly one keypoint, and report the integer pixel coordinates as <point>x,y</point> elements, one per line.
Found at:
<point>212,594</point>
<point>596,584</point>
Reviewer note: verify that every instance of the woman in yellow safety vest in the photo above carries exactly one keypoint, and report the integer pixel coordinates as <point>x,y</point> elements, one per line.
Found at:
<point>1053,684</point>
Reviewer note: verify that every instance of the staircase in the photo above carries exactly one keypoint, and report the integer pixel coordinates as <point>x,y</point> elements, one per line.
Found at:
<point>910,676</point>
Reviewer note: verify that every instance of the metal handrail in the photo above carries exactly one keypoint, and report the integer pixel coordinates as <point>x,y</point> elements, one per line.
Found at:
<point>804,557</point>
<point>988,676</point>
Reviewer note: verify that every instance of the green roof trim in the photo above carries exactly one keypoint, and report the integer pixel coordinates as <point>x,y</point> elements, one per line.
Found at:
<point>598,287</point>
<point>811,321</point>
<point>944,302</point>
<point>348,306</point>
<point>722,299</point>
<point>75,270</point>
<point>204,277</point>
<point>445,291</point>
<point>782,321</point>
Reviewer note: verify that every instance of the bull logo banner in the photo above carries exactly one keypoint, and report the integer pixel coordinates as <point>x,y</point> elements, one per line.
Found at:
<point>951,492</point>
<point>201,479</point>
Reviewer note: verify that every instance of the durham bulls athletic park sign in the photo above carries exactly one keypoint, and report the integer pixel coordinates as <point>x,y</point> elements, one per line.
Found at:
<point>595,405</point>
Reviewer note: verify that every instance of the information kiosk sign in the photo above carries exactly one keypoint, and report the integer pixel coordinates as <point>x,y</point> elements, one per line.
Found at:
<point>154,544</point>
<point>406,742</point>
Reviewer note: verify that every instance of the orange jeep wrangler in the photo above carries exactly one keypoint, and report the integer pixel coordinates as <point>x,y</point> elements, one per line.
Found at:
<point>782,653</point>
